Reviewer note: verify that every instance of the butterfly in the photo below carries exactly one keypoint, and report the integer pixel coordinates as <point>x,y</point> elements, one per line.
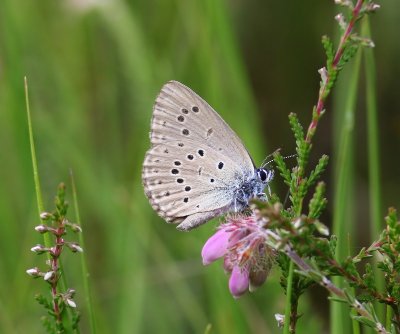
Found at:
<point>197,167</point>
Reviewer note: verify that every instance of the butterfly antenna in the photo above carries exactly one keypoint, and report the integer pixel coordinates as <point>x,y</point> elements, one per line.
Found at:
<point>267,157</point>
<point>284,158</point>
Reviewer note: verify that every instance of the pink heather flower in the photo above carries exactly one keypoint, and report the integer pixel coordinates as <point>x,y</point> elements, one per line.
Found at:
<point>215,247</point>
<point>248,259</point>
<point>239,281</point>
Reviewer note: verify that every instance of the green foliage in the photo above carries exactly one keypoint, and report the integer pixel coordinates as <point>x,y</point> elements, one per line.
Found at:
<point>349,51</point>
<point>281,166</point>
<point>61,204</point>
<point>329,52</point>
<point>318,170</point>
<point>44,302</point>
<point>331,71</point>
<point>318,202</point>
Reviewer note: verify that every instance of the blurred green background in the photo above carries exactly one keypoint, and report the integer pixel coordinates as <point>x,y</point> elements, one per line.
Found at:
<point>94,69</point>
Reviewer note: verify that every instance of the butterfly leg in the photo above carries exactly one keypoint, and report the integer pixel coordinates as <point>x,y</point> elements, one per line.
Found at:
<point>198,219</point>
<point>262,196</point>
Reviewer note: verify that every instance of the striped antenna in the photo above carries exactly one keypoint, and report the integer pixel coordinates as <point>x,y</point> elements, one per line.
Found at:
<point>268,162</point>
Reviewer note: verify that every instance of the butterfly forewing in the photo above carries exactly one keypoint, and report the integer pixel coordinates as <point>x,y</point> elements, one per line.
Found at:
<point>179,113</point>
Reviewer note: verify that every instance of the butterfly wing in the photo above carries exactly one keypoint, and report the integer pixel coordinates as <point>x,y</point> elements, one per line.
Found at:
<point>189,179</point>
<point>196,161</point>
<point>178,108</point>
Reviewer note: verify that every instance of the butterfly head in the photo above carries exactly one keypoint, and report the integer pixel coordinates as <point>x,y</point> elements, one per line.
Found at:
<point>265,175</point>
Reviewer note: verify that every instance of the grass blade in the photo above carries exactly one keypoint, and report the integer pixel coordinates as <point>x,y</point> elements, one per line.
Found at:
<point>343,174</point>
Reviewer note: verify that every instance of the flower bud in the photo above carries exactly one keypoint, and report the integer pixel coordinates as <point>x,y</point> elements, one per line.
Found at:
<point>45,215</point>
<point>341,20</point>
<point>41,228</point>
<point>71,292</point>
<point>372,7</point>
<point>76,228</point>
<point>74,247</point>
<point>280,319</point>
<point>49,275</point>
<point>39,249</point>
<point>70,303</point>
<point>345,3</point>
<point>34,272</point>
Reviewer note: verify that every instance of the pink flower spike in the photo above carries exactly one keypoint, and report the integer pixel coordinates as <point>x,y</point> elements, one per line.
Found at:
<point>239,281</point>
<point>215,247</point>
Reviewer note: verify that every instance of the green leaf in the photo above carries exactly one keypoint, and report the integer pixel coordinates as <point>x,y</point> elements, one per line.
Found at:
<point>350,49</point>
<point>318,202</point>
<point>283,170</point>
<point>350,267</point>
<point>329,51</point>
<point>364,320</point>
<point>369,278</point>
<point>319,169</point>
<point>43,301</point>
<point>296,127</point>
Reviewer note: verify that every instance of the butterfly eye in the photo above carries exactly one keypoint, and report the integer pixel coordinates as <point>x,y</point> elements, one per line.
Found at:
<point>262,174</point>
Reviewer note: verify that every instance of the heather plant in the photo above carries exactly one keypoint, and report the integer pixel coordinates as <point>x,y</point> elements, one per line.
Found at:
<point>61,298</point>
<point>294,237</point>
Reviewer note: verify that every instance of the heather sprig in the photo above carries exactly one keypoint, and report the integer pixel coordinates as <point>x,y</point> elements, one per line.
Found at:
<point>300,180</point>
<point>300,241</point>
<point>297,241</point>
<point>57,225</point>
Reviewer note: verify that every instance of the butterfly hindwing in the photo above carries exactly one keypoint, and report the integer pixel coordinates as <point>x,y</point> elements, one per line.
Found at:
<point>184,180</point>
<point>196,163</point>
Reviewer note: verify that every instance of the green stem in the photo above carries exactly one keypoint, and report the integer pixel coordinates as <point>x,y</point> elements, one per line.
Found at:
<point>288,308</point>
<point>324,91</point>
<point>389,315</point>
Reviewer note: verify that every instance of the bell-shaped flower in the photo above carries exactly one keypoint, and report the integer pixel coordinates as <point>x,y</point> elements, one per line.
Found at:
<point>247,257</point>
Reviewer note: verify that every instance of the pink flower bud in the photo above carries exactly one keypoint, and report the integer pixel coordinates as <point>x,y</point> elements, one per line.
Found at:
<point>41,228</point>
<point>38,249</point>
<point>215,247</point>
<point>74,247</point>
<point>238,282</point>
<point>45,215</point>
<point>49,275</point>
<point>34,272</point>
